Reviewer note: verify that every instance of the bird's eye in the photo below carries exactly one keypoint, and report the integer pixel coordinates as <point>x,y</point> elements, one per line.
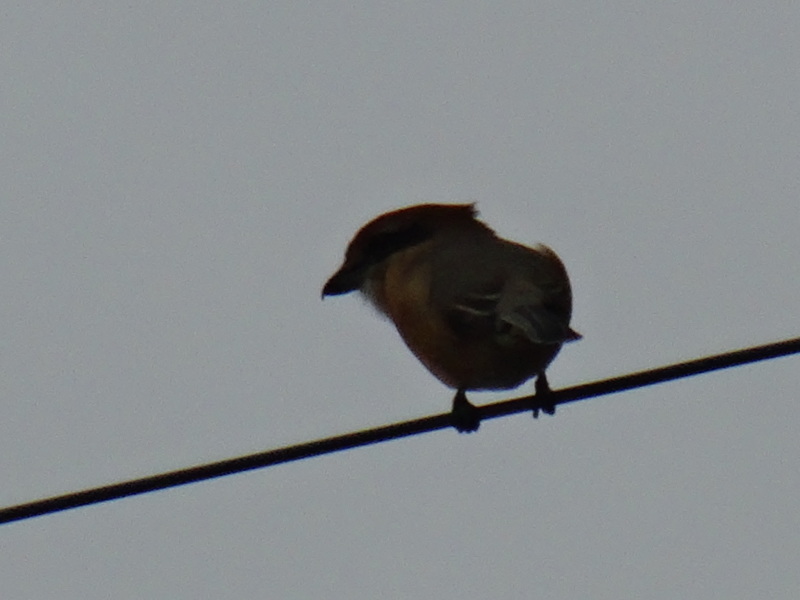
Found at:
<point>389,242</point>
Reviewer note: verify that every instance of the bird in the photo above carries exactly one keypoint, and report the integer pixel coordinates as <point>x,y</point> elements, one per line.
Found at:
<point>479,311</point>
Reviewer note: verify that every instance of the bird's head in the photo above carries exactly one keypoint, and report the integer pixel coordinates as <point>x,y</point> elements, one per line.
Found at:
<point>394,232</point>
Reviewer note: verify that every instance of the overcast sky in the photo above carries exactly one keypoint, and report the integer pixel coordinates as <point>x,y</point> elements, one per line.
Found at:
<point>180,178</point>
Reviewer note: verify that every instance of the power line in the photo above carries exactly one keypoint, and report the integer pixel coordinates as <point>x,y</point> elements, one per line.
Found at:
<point>392,432</point>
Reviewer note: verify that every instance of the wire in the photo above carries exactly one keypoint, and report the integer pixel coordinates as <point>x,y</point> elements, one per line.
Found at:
<point>394,431</point>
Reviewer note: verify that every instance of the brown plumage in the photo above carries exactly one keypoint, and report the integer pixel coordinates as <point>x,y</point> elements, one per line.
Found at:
<point>480,312</point>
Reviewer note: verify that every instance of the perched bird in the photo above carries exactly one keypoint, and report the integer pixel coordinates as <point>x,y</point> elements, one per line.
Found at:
<point>480,312</point>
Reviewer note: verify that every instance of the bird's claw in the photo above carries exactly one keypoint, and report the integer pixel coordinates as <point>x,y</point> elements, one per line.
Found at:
<point>464,416</point>
<point>540,399</point>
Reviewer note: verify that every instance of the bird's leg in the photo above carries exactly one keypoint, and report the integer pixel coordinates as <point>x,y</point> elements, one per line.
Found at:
<point>540,399</point>
<point>464,416</point>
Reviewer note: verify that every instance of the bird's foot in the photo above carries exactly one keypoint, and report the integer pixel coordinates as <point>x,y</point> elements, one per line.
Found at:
<point>540,400</point>
<point>464,416</point>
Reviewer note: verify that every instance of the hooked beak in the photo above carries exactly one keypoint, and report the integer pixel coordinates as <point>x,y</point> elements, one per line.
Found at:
<point>346,279</point>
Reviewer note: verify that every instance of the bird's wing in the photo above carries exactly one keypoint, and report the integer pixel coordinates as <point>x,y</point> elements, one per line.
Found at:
<point>537,299</point>
<point>527,292</point>
<point>537,310</point>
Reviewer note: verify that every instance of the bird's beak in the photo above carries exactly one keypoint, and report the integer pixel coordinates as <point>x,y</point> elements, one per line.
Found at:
<point>347,279</point>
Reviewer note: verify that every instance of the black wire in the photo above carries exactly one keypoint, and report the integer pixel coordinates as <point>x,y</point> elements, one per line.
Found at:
<point>391,432</point>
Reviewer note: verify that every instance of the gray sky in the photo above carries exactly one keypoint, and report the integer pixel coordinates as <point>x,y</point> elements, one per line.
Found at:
<point>179,179</point>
